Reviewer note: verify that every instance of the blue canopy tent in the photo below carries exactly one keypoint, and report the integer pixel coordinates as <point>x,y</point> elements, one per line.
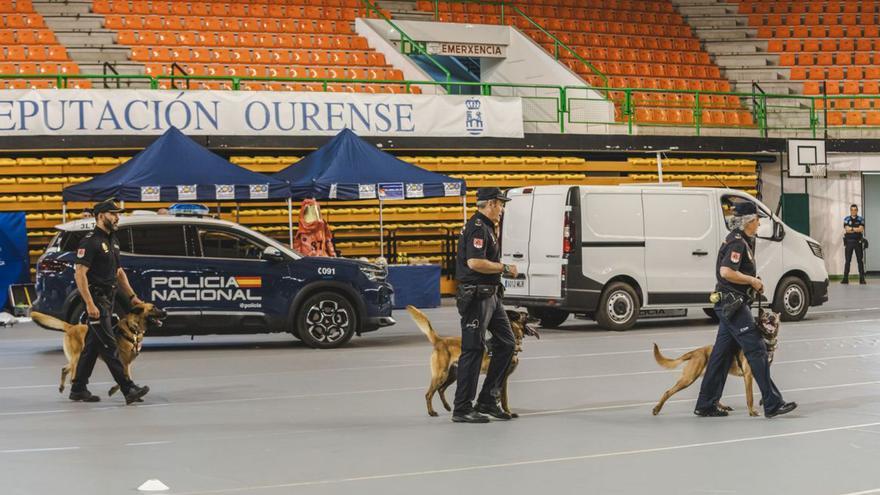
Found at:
<point>176,168</point>
<point>349,168</point>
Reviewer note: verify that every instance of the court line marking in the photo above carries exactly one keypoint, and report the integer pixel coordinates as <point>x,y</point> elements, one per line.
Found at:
<point>139,444</point>
<point>47,449</point>
<point>533,462</point>
<point>864,492</point>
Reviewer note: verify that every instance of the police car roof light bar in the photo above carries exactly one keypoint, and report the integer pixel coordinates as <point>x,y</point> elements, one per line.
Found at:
<point>188,210</point>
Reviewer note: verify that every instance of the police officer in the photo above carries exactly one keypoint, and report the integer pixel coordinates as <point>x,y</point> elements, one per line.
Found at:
<point>478,272</point>
<point>735,271</point>
<point>97,275</point>
<point>854,233</point>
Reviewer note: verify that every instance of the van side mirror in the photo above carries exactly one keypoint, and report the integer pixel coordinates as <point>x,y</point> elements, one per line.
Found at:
<point>271,253</point>
<point>778,231</point>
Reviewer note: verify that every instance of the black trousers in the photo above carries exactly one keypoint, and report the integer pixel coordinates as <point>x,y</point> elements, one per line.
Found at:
<point>481,315</point>
<point>850,247</point>
<point>740,332</point>
<point>100,341</point>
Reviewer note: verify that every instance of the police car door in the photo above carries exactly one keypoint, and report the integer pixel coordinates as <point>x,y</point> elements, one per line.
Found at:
<point>239,289</point>
<point>157,265</point>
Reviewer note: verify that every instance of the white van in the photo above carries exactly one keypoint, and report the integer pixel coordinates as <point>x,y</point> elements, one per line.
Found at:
<point>614,253</point>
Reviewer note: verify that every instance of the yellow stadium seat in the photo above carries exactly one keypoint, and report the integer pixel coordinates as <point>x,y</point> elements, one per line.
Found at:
<point>492,160</point>
<point>52,197</point>
<point>267,160</point>
<point>79,161</point>
<point>7,180</point>
<point>29,180</point>
<point>29,198</point>
<point>288,160</point>
<point>53,216</point>
<point>7,162</point>
<point>31,162</point>
<point>514,160</point>
<point>471,160</point>
<point>54,180</point>
<point>54,161</point>
<point>449,160</point>
<point>33,216</point>
<point>77,180</point>
<point>242,160</point>
<point>106,160</point>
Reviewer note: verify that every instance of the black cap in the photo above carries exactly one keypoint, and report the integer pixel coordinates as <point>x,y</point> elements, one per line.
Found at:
<point>106,206</point>
<point>487,193</point>
<point>745,208</point>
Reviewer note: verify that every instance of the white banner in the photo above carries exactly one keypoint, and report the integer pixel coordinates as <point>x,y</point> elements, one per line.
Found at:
<point>126,112</point>
<point>480,50</point>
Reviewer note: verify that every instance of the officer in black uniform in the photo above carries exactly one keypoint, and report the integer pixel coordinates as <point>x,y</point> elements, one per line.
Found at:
<point>737,284</point>
<point>478,272</point>
<point>97,276</point>
<point>854,233</point>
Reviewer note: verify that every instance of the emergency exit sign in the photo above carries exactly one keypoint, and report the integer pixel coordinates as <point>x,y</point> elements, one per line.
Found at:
<point>476,50</point>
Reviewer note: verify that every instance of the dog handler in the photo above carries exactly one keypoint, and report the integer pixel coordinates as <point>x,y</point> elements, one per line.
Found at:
<point>735,271</point>
<point>478,272</point>
<point>97,275</point>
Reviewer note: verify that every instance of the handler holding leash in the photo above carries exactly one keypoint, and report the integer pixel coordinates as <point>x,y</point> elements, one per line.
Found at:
<point>97,273</point>
<point>479,271</point>
<point>735,271</point>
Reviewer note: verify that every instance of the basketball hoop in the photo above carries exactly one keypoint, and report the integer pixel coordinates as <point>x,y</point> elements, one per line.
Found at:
<point>807,158</point>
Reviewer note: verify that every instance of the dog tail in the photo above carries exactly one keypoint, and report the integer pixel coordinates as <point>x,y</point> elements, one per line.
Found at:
<point>670,363</point>
<point>47,321</point>
<point>423,323</point>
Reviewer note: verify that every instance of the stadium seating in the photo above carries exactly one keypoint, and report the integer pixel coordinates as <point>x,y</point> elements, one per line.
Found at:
<point>297,39</point>
<point>653,49</point>
<point>830,46</point>
<point>27,46</point>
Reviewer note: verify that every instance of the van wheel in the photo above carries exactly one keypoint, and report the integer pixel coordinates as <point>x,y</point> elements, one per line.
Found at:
<point>618,307</point>
<point>792,299</point>
<point>710,312</point>
<point>550,318</point>
<point>77,314</point>
<point>325,320</point>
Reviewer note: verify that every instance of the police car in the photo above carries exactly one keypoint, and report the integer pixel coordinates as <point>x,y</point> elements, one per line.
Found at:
<point>217,277</point>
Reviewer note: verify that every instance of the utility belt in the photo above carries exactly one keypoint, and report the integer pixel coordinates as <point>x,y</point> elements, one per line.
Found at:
<point>729,302</point>
<point>103,291</point>
<point>466,294</point>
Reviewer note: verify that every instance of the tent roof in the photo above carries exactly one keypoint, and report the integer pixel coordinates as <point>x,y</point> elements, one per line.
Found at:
<point>347,167</point>
<point>168,169</point>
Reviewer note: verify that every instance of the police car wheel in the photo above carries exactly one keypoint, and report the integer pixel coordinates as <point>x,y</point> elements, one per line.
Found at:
<point>618,307</point>
<point>710,312</point>
<point>792,299</point>
<point>550,317</point>
<point>326,320</point>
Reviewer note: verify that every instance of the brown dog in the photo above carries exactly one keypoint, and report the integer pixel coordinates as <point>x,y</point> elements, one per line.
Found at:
<point>697,360</point>
<point>447,350</point>
<point>130,336</point>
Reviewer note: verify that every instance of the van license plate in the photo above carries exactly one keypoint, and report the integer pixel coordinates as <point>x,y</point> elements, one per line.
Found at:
<point>514,283</point>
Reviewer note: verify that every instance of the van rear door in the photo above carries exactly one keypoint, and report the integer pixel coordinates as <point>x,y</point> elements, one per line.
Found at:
<point>515,237</point>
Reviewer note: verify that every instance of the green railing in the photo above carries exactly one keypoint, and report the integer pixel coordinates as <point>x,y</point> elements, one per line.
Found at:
<point>406,41</point>
<point>557,43</point>
<point>624,110</point>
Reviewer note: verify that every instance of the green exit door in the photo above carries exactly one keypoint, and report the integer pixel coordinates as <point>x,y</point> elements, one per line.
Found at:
<point>796,211</point>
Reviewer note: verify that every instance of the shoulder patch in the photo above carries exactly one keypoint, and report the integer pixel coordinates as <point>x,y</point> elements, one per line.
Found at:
<point>80,252</point>
<point>478,222</point>
<point>734,256</point>
<point>478,243</point>
<point>737,236</point>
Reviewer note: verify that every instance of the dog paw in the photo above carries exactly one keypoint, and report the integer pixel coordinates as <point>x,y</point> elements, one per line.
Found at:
<point>514,415</point>
<point>754,413</point>
<point>655,411</point>
<point>433,414</point>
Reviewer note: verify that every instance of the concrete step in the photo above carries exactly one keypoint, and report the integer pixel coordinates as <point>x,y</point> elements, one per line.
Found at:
<point>757,74</point>
<point>695,3</point>
<point>770,87</point>
<point>123,68</point>
<point>93,39</point>
<point>88,22</point>
<point>745,46</point>
<point>99,55</point>
<point>725,33</point>
<point>713,9</point>
<point>751,60</point>
<point>713,22</point>
<point>45,8</point>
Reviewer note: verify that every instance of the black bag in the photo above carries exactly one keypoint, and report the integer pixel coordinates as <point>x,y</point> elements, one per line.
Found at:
<point>864,243</point>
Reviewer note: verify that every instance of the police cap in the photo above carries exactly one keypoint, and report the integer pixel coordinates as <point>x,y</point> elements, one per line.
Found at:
<point>106,206</point>
<point>745,208</point>
<point>487,193</point>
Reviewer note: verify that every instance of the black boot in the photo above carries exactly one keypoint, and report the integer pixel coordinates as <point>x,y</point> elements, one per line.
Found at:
<point>135,393</point>
<point>712,412</point>
<point>783,409</point>
<point>493,410</point>
<point>471,417</point>
<point>844,281</point>
<point>83,396</point>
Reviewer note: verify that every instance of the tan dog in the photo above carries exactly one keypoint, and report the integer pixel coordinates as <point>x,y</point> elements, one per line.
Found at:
<point>130,336</point>
<point>447,350</point>
<point>697,360</point>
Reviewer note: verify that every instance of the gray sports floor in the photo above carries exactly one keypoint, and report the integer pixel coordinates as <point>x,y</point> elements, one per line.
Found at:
<point>265,414</point>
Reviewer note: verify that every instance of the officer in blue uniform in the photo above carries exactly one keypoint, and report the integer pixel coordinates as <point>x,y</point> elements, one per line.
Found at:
<point>97,276</point>
<point>854,233</point>
<point>478,272</point>
<point>736,272</point>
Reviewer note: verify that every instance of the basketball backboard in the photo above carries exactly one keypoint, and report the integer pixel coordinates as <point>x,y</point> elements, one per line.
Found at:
<point>807,158</point>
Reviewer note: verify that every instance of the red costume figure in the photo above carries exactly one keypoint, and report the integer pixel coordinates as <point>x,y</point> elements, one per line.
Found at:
<point>313,237</point>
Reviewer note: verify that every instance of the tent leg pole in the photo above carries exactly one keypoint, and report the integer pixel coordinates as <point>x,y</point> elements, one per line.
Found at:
<point>63,212</point>
<point>381,232</point>
<point>237,213</point>
<point>290,221</point>
<point>464,208</point>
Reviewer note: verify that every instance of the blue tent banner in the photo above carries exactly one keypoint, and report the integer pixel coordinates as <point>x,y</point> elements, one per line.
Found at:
<point>175,168</point>
<point>13,252</point>
<point>349,168</point>
<point>390,191</point>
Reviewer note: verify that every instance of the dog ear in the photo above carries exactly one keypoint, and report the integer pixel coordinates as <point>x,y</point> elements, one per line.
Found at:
<point>513,315</point>
<point>137,310</point>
